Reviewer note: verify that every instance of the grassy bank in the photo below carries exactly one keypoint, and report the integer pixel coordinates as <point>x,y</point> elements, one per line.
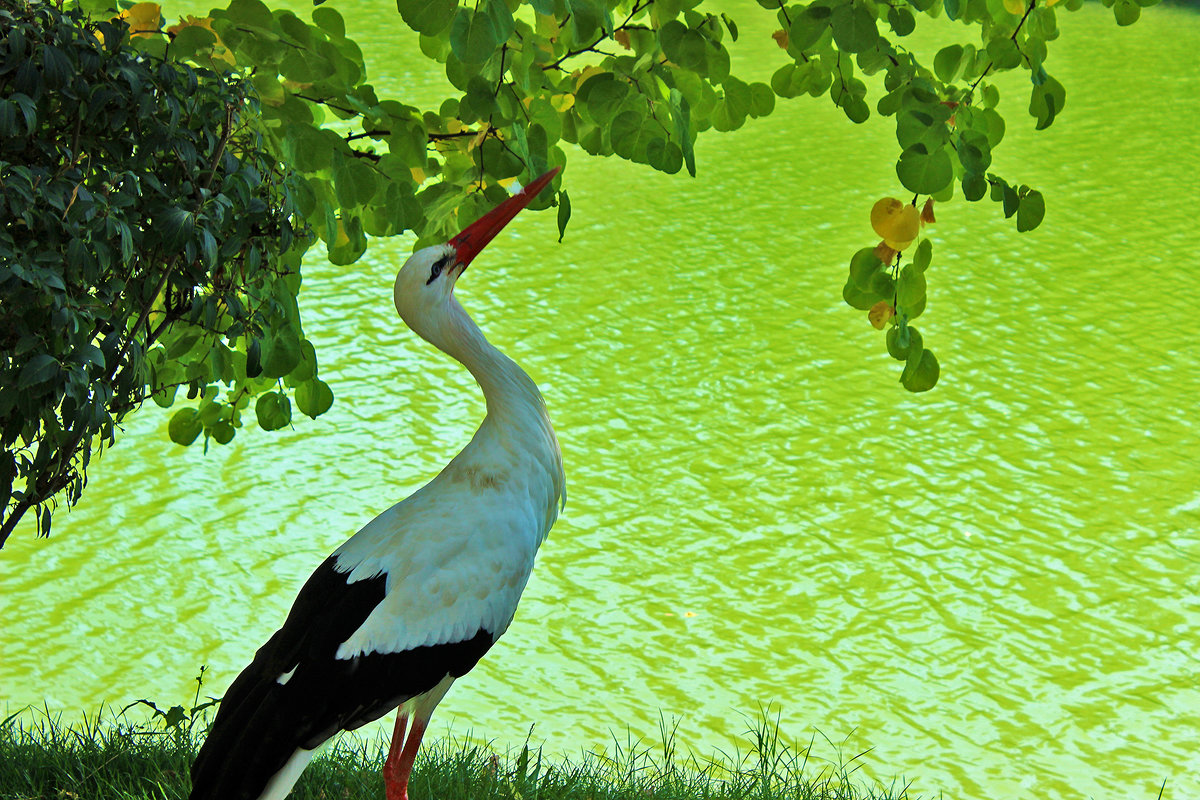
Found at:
<point>107,757</point>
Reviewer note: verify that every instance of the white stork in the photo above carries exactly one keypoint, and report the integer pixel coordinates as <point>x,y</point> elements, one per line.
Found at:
<point>415,598</point>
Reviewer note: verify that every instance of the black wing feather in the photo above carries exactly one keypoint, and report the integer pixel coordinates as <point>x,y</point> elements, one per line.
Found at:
<point>260,723</point>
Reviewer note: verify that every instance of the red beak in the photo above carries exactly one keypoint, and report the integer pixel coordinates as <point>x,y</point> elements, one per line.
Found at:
<point>476,235</point>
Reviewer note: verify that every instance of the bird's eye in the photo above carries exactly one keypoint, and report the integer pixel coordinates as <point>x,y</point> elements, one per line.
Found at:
<point>437,268</point>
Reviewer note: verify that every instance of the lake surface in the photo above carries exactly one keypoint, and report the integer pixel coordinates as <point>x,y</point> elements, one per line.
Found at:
<point>994,586</point>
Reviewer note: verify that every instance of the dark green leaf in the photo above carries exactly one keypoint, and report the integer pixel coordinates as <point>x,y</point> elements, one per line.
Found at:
<point>920,372</point>
<point>901,20</point>
<point>314,397</point>
<point>1030,210</point>
<point>184,426</point>
<point>273,410</point>
<point>38,369</point>
<point>974,187</point>
<point>430,17</point>
<point>564,213</point>
<point>1012,200</point>
<point>473,36</point>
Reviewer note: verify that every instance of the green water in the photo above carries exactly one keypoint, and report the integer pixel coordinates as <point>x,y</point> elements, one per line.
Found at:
<point>993,586</point>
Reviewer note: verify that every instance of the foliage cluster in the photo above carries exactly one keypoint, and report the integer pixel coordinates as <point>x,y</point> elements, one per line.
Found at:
<point>637,79</point>
<point>149,242</point>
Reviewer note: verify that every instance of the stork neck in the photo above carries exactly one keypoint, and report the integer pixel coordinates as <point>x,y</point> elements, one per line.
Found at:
<point>510,394</point>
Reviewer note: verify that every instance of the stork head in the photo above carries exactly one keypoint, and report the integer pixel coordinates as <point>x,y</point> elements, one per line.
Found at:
<point>426,281</point>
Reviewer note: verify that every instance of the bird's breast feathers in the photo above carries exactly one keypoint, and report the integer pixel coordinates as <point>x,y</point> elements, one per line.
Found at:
<point>456,555</point>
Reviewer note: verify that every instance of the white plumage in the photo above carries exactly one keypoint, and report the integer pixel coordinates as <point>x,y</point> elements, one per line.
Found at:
<point>418,595</point>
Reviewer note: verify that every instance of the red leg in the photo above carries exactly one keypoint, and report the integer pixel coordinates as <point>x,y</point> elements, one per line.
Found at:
<point>391,766</point>
<point>398,767</point>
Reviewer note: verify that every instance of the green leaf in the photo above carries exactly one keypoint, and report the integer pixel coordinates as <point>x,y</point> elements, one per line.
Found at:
<point>564,213</point>
<point>731,25</point>
<point>910,287</point>
<point>855,297</point>
<point>184,426</point>
<point>762,100</point>
<point>974,187</point>
<point>974,152</point>
<point>190,40</point>
<point>254,359</point>
<point>923,255</point>
<point>1126,12</point>
<point>473,36</point>
<point>922,172</point>
<point>863,267</point>
<point>901,20</point>
<point>948,62</point>
<point>902,339</point>
<point>684,46</point>
<point>430,17</point>
<point>1030,211</point>
<point>273,410</point>
<point>223,431</point>
<point>281,353</point>
<point>250,12</point>
<point>681,114</point>
<point>38,369</point>
<point>807,27</point>
<point>1046,101</point>
<point>329,20</point>
<point>920,372</point>
<point>854,28</point>
<point>1004,53</point>
<point>314,397</point>
<point>176,225</point>
<point>601,96</point>
<point>1011,200</point>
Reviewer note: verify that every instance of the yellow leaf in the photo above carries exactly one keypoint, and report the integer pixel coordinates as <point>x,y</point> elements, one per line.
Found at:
<point>1016,7</point>
<point>562,102</point>
<point>880,313</point>
<point>477,140</point>
<point>143,19</point>
<point>190,21</point>
<point>581,75</point>
<point>418,175</point>
<point>897,222</point>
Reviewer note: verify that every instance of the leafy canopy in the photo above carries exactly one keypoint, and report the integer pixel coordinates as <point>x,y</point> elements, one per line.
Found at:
<point>150,242</point>
<point>638,79</point>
